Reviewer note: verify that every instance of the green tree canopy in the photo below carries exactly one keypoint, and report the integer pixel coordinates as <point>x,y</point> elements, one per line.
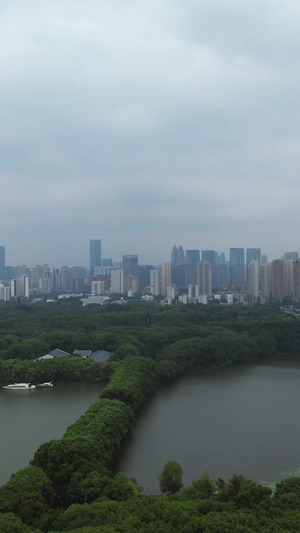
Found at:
<point>170,479</point>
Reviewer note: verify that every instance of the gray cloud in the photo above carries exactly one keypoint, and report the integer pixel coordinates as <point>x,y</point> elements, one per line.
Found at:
<point>147,124</point>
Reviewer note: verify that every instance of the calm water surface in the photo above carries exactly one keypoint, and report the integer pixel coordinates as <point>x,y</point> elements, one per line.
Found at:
<point>243,419</point>
<point>28,418</point>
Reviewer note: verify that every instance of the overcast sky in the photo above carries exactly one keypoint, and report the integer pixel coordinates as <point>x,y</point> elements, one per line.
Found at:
<point>148,123</point>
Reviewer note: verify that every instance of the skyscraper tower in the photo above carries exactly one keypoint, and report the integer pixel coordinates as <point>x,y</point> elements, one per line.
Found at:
<point>180,256</point>
<point>237,266</point>
<point>174,256</point>
<point>2,262</point>
<point>95,255</point>
<point>131,265</point>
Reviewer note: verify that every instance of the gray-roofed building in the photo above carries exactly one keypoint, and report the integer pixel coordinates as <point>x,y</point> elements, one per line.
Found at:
<point>100,300</point>
<point>83,353</point>
<point>54,353</point>
<point>100,356</point>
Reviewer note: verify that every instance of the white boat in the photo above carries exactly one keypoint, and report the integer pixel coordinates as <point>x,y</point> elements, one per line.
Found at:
<point>19,386</point>
<point>46,385</point>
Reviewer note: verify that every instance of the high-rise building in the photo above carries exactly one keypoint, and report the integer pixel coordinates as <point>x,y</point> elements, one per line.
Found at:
<point>222,275</point>
<point>174,256</point>
<point>97,288</point>
<point>180,256</point>
<point>222,259</point>
<point>144,276</point>
<point>212,257</point>
<point>155,282</point>
<point>237,266</point>
<point>252,254</point>
<point>131,265</point>
<point>131,284</point>
<point>204,278</point>
<point>22,286</point>
<point>296,279</point>
<point>95,255</point>
<point>166,277</point>
<point>117,281</point>
<point>253,279</point>
<point>107,262</point>
<point>177,256</point>
<point>192,257</point>
<point>2,262</point>
<point>282,278</point>
<point>290,255</point>
<point>178,275</point>
<point>266,280</point>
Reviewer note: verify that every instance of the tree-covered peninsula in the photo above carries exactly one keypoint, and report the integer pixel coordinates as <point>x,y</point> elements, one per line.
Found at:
<point>70,484</point>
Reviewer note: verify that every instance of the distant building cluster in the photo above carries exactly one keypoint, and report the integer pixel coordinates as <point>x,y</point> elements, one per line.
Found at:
<point>191,276</point>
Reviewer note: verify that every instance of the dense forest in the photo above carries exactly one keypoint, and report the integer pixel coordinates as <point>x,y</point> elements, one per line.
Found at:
<point>69,485</point>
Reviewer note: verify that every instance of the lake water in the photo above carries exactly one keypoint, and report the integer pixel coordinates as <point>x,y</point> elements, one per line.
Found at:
<point>30,417</point>
<point>235,420</point>
<point>240,419</point>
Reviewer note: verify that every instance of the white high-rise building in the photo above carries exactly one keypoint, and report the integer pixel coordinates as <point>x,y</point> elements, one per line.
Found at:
<point>21,286</point>
<point>117,281</point>
<point>155,282</point>
<point>166,277</point>
<point>98,287</point>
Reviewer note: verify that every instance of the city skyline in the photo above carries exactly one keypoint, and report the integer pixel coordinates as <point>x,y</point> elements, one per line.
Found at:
<point>95,257</point>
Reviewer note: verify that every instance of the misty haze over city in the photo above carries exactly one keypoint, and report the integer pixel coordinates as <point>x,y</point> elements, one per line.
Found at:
<point>148,124</point>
